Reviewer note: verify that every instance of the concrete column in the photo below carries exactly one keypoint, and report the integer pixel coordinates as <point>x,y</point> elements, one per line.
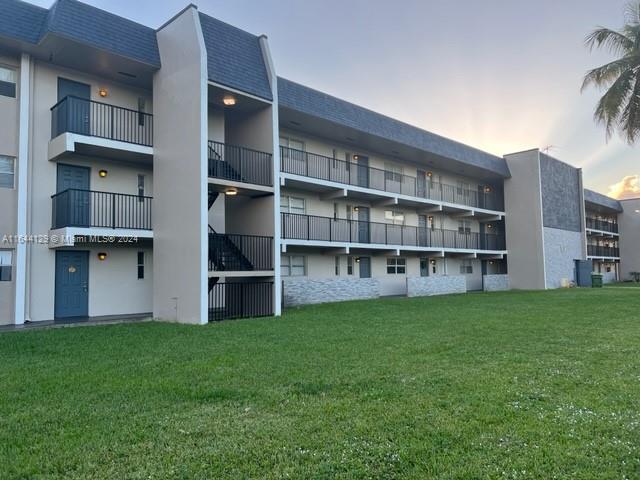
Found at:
<point>180,246</point>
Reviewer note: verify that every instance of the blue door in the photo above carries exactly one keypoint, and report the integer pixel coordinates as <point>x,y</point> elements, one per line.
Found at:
<point>74,114</point>
<point>73,207</point>
<point>72,284</point>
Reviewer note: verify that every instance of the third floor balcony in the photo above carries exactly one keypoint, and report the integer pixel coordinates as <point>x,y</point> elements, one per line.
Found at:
<point>312,165</point>
<point>240,165</point>
<point>602,225</point>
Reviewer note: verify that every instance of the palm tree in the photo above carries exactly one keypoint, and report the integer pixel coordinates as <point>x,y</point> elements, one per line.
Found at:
<point>619,107</point>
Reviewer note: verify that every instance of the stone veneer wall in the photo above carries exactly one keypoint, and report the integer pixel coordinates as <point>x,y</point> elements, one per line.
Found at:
<point>304,291</point>
<point>496,283</point>
<point>561,249</point>
<point>436,285</point>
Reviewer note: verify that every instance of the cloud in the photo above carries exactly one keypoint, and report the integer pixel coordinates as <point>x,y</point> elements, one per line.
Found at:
<point>628,187</point>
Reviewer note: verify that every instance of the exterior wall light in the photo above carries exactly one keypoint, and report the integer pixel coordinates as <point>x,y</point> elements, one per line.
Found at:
<point>487,189</point>
<point>430,218</point>
<point>357,259</point>
<point>229,100</point>
<point>102,173</point>
<point>102,256</point>
<point>429,174</point>
<point>489,226</point>
<point>355,209</point>
<point>103,92</point>
<point>433,262</point>
<point>231,192</point>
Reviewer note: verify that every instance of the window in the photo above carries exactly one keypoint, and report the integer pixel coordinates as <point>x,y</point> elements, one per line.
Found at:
<point>141,105</point>
<point>335,211</point>
<point>140,188</point>
<point>292,205</point>
<point>464,226</point>
<point>140,265</point>
<point>395,217</point>
<point>8,80</point>
<point>349,265</point>
<point>396,266</point>
<point>294,159</point>
<point>7,171</point>
<point>337,266</point>
<point>292,266</point>
<point>424,267</point>
<point>466,267</point>
<point>5,265</point>
<point>392,172</point>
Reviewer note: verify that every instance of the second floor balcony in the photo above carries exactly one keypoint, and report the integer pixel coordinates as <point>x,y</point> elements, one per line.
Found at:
<point>312,165</point>
<point>602,225</point>
<point>104,210</point>
<point>603,251</point>
<point>327,229</point>
<point>240,253</point>
<point>240,164</point>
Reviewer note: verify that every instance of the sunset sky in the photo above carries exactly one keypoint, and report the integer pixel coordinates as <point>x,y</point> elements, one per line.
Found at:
<point>500,75</point>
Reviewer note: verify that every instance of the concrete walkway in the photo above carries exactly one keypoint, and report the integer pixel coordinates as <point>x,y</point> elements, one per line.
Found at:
<point>78,321</point>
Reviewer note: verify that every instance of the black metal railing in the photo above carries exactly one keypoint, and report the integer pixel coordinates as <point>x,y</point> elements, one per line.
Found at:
<point>602,251</point>
<point>96,119</point>
<point>240,300</point>
<point>240,164</point>
<point>233,252</point>
<point>87,208</point>
<point>312,165</point>
<point>602,225</point>
<point>309,227</point>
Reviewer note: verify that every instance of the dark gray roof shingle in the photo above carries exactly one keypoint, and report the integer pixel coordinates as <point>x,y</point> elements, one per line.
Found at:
<point>80,22</point>
<point>313,102</point>
<point>234,58</point>
<point>602,200</point>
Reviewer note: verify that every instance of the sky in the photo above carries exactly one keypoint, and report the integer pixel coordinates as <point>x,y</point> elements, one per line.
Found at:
<point>499,75</point>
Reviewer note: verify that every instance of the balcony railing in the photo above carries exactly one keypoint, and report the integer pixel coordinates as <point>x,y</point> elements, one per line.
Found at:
<point>240,164</point>
<point>232,252</point>
<point>87,208</point>
<point>96,119</point>
<point>602,251</point>
<point>312,165</point>
<point>240,300</point>
<point>308,227</point>
<point>602,225</point>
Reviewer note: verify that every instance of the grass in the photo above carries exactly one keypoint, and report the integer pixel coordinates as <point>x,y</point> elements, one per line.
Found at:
<point>504,385</point>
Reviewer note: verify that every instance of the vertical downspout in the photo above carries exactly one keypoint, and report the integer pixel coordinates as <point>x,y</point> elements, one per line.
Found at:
<point>23,176</point>
<point>273,80</point>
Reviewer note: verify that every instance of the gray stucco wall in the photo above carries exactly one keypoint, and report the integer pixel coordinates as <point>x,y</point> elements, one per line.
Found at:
<point>436,285</point>
<point>561,248</point>
<point>496,283</point>
<point>562,200</point>
<point>304,291</point>
<point>629,224</point>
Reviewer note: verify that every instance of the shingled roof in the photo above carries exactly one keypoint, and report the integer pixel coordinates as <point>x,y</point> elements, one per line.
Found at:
<point>234,58</point>
<point>313,102</point>
<point>602,200</point>
<point>80,22</point>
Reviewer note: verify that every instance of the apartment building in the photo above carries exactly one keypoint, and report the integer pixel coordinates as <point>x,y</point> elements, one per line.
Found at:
<point>170,172</point>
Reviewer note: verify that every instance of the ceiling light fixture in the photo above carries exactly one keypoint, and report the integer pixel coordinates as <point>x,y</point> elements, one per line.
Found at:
<point>231,192</point>
<point>229,100</point>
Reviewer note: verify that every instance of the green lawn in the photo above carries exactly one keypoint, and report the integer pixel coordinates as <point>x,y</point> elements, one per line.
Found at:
<point>504,385</point>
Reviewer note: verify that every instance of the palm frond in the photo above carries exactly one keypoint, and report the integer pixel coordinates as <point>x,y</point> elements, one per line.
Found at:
<point>606,74</point>
<point>632,12</point>
<point>610,105</point>
<point>630,117</point>
<point>615,42</point>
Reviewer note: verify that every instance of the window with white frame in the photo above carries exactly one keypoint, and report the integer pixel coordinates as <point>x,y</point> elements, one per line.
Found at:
<point>140,265</point>
<point>293,266</point>
<point>8,80</point>
<point>337,266</point>
<point>349,265</point>
<point>7,171</point>
<point>292,204</point>
<point>466,267</point>
<point>396,266</point>
<point>392,172</point>
<point>6,258</point>
<point>141,188</point>
<point>395,217</point>
<point>464,226</point>
<point>294,158</point>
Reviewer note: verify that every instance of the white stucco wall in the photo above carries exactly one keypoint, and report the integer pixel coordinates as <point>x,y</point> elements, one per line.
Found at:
<point>562,249</point>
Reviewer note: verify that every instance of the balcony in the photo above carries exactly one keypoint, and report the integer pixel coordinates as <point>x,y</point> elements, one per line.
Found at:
<point>240,253</point>
<point>240,165</point>
<point>298,162</point>
<point>85,212</point>
<point>95,128</point>
<point>240,300</point>
<point>602,225</point>
<point>602,251</point>
<point>327,229</point>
